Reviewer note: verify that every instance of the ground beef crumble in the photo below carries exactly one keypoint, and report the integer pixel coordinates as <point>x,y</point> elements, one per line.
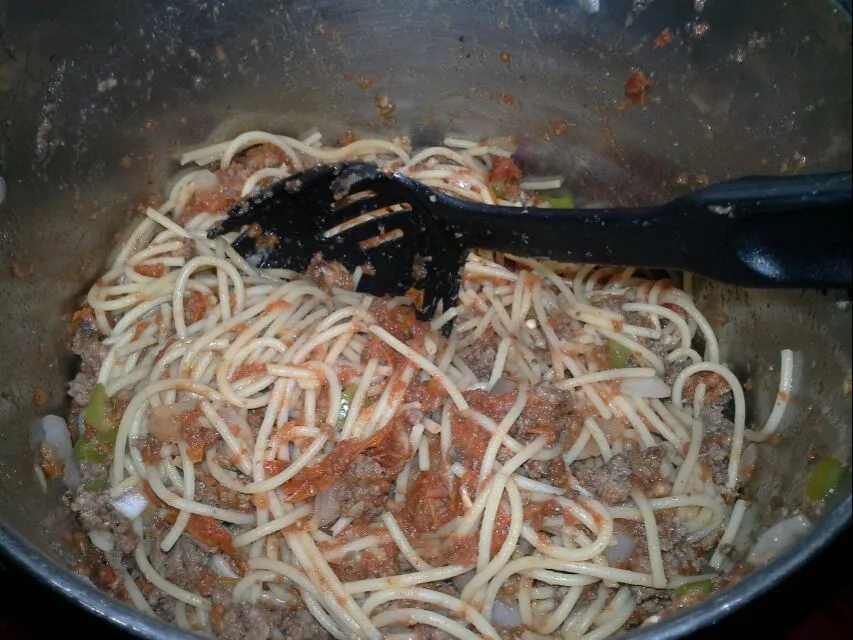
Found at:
<point>87,344</point>
<point>364,486</point>
<point>185,564</point>
<point>329,275</point>
<point>716,440</point>
<point>613,482</point>
<point>547,412</point>
<point>96,513</point>
<point>480,356</point>
<point>256,622</point>
<point>209,491</point>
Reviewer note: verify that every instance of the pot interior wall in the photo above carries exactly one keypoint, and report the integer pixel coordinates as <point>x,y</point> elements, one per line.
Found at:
<point>96,100</point>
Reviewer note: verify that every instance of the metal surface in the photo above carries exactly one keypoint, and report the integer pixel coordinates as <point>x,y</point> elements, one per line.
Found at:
<point>96,98</point>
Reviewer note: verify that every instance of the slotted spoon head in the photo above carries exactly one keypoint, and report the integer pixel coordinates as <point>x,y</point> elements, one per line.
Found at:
<point>358,215</point>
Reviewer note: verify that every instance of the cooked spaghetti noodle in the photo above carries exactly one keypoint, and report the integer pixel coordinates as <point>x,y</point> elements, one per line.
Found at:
<point>312,460</point>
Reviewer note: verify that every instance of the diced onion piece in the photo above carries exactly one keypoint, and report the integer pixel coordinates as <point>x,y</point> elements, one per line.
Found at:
<point>71,475</point>
<point>650,620</point>
<point>505,615</point>
<point>130,504</point>
<point>326,508</point>
<point>102,540</point>
<point>778,538</point>
<point>622,548</point>
<point>645,387</point>
<point>52,430</point>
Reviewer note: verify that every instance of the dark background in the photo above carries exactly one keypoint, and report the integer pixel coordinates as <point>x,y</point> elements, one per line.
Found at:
<point>814,603</point>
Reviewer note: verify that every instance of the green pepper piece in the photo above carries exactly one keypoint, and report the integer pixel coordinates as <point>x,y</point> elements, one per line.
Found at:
<point>824,479</point>
<point>96,484</point>
<point>620,355</point>
<point>97,411</point>
<point>499,189</point>
<point>94,449</point>
<point>108,438</point>
<point>700,588</point>
<point>346,401</point>
<point>559,201</point>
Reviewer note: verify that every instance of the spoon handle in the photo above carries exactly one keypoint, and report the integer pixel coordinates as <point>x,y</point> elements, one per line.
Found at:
<point>787,232</point>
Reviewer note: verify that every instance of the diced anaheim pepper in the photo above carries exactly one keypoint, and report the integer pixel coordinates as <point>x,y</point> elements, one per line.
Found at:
<point>97,412</point>
<point>559,201</point>
<point>346,400</point>
<point>825,477</point>
<point>96,484</point>
<point>95,447</point>
<point>93,450</point>
<point>698,589</point>
<point>620,355</point>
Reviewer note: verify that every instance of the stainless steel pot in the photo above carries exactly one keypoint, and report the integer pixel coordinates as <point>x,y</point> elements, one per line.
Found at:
<point>97,97</point>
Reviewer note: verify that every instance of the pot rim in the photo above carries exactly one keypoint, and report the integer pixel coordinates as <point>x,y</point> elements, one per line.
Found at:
<point>63,581</point>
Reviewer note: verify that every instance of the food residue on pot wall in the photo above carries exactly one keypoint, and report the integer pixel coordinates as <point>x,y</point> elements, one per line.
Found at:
<point>386,108</point>
<point>636,87</point>
<point>663,40</point>
<point>40,397</point>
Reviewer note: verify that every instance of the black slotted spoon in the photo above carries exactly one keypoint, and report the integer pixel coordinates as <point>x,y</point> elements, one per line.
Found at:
<point>783,232</point>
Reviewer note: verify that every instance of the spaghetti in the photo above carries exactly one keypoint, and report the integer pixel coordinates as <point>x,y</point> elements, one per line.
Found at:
<point>339,458</point>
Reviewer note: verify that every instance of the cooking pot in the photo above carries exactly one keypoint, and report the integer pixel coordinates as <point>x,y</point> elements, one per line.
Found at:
<point>98,98</point>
